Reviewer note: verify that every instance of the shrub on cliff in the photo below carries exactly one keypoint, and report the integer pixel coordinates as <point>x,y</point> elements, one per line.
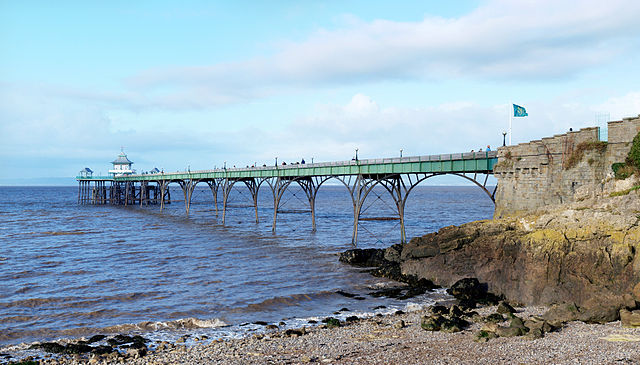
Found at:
<point>632,162</point>
<point>581,149</point>
<point>633,158</point>
<point>622,170</point>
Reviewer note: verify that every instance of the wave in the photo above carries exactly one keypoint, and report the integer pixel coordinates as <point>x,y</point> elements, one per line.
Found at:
<point>65,233</point>
<point>278,302</point>
<point>77,301</point>
<point>178,324</point>
<point>43,334</point>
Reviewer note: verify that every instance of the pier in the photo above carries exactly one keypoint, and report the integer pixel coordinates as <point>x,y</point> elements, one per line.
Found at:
<point>398,176</point>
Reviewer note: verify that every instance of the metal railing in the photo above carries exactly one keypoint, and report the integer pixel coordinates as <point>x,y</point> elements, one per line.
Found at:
<point>453,162</point>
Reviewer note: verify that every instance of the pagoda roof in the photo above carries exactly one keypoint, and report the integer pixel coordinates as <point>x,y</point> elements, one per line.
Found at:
<point>122,159</point>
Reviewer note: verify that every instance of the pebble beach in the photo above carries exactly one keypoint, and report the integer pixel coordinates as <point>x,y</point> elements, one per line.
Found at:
<point>396,339</point>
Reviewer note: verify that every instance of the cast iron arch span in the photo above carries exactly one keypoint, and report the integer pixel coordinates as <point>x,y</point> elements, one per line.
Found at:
<point>309,184</point>
<point>398,189</point>
<point>252,184</point>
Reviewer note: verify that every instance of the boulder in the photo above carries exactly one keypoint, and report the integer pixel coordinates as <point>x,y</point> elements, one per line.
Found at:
<point>534,334</point>
<point>437,322</point>
<point>352,319</point>
<point>494,318</point>
<point>52,347</point>
<point>467,289</point>
<point>432,323</point>
<point>517,322</point>
<point>450,327</point>
<point>136,352</point>
<point>484,336</point>
<point>453,324</point>
<point>467,304</point>
<point>490,327</point>
<point>600,310</point>
<point>293,332</point>
<point>537,323</point>
<point>438,309</point>
<point>392,253</point>
<point>102,349</point>
<point>629,302</point>
<point>455,311</point>
<point>559,314</point>
<point>504,308</point>
<point>509,331</point>
<point>96,338</point>
<point>636,292</point>
<point>369,257</point>
<point>630,318</point>
<point>331,322</point>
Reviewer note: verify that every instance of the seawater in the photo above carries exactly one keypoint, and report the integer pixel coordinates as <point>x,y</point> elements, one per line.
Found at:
<point>69,270</point>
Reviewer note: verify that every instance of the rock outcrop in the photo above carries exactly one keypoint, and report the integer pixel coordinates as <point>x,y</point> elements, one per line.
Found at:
<point>585,253</point>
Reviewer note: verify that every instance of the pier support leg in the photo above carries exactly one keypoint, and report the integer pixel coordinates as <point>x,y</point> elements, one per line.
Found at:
<point>356,186</point>
<point>143,193</point>
<point>278,187</point>
<point>164,192</point>
<point>399,192</point>
<point>253,187</point>
<point>310,186</point>
<point>226,190</point>
<point>126,193</point>
<point>187,188</point>
<point>214,185</point>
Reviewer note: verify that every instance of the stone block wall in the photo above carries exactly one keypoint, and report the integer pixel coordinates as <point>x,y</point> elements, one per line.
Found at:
<point>540,173</point>
<point>621,135</point>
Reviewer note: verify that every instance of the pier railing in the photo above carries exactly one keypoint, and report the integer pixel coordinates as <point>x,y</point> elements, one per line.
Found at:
<point>480,162</point>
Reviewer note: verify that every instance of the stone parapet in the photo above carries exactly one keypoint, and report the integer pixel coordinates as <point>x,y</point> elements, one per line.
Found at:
<point>559,169</point>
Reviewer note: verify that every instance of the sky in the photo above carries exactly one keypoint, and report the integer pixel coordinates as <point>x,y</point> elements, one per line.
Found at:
<point>195,84</point>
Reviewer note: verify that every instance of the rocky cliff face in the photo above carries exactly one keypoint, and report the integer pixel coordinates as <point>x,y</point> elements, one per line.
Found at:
<point>584,253</point>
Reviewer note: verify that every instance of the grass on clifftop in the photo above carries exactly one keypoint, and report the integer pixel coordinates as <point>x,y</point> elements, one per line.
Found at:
<point>581,148</point>
<point>624,192</point>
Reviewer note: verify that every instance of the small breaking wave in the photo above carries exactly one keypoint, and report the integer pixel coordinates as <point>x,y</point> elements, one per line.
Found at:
<point>178,324</point>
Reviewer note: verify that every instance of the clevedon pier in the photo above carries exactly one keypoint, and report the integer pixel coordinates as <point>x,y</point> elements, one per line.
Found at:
<point>398,176</point>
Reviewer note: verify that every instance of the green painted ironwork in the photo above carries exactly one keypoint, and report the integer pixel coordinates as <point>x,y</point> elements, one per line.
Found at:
<point>472,162</point>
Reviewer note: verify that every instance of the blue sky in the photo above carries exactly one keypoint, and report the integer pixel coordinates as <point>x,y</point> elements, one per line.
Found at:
<point>198,83</point>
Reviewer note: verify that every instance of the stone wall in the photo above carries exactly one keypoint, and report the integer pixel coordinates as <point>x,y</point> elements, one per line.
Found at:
<point>621,135</point>
<point>541,173</point>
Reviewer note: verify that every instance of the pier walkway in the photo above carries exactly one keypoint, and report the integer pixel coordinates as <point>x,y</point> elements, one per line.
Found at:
<point>397,175</point>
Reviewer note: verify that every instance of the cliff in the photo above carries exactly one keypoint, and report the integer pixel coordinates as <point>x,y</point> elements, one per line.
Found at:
<point>580,252</point>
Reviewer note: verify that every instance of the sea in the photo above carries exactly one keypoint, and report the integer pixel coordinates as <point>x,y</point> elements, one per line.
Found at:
<point>69,271</point>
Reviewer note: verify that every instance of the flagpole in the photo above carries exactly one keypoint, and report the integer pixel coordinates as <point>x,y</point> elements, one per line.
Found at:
<point>510,120</point>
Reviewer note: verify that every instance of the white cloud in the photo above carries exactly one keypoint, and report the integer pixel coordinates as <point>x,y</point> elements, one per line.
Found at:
<point>619,107</point>
<point>361,105</point>
<point>499,40</point>
<point>335,131</point>
<point>52,139</point>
